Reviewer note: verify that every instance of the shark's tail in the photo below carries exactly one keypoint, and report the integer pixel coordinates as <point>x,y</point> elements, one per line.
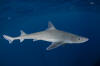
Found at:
<point>10,39</point>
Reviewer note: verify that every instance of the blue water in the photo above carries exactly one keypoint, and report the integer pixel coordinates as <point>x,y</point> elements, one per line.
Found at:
<point>75,16</point>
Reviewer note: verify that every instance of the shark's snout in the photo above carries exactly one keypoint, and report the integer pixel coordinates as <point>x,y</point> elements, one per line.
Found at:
<point>84,40</point>
<point>80,40</point>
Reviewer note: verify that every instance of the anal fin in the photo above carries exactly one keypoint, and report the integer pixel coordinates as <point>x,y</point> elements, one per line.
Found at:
<point>21,40</point>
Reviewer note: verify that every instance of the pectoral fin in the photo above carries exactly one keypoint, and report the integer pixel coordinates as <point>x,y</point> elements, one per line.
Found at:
<point>55,45</point>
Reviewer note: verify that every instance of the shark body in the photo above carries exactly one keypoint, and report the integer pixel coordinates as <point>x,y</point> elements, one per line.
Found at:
<point>57,37</point>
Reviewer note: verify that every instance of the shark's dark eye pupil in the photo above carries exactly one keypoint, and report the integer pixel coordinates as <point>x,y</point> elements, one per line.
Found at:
<point>79,39</point>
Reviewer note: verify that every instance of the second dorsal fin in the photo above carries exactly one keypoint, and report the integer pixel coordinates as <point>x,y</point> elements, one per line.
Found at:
<point>50,26</point>
<point>22,33</point>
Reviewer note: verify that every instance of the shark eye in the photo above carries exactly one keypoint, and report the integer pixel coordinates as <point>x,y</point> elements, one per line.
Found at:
<point>79,39</point>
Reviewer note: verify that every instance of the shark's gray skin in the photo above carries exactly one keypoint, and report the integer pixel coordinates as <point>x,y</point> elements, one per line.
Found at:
<point>52,34</point>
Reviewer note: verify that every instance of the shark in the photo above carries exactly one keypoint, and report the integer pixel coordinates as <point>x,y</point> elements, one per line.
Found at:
<point>53,35</point>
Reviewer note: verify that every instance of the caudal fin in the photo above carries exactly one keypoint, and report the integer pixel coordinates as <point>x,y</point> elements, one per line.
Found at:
<point>10,39</point>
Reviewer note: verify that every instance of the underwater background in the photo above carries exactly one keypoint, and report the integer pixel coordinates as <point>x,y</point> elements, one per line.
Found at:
<point>80,17</point>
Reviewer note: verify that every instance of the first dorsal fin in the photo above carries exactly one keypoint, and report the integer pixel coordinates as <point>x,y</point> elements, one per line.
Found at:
<point>22,33</point>
<point>51,26</point>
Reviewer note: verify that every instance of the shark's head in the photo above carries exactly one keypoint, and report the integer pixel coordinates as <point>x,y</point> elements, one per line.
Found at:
<point>78,39</point>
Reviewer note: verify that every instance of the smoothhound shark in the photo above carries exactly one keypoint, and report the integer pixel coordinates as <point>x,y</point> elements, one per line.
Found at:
<point>57,37</point>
